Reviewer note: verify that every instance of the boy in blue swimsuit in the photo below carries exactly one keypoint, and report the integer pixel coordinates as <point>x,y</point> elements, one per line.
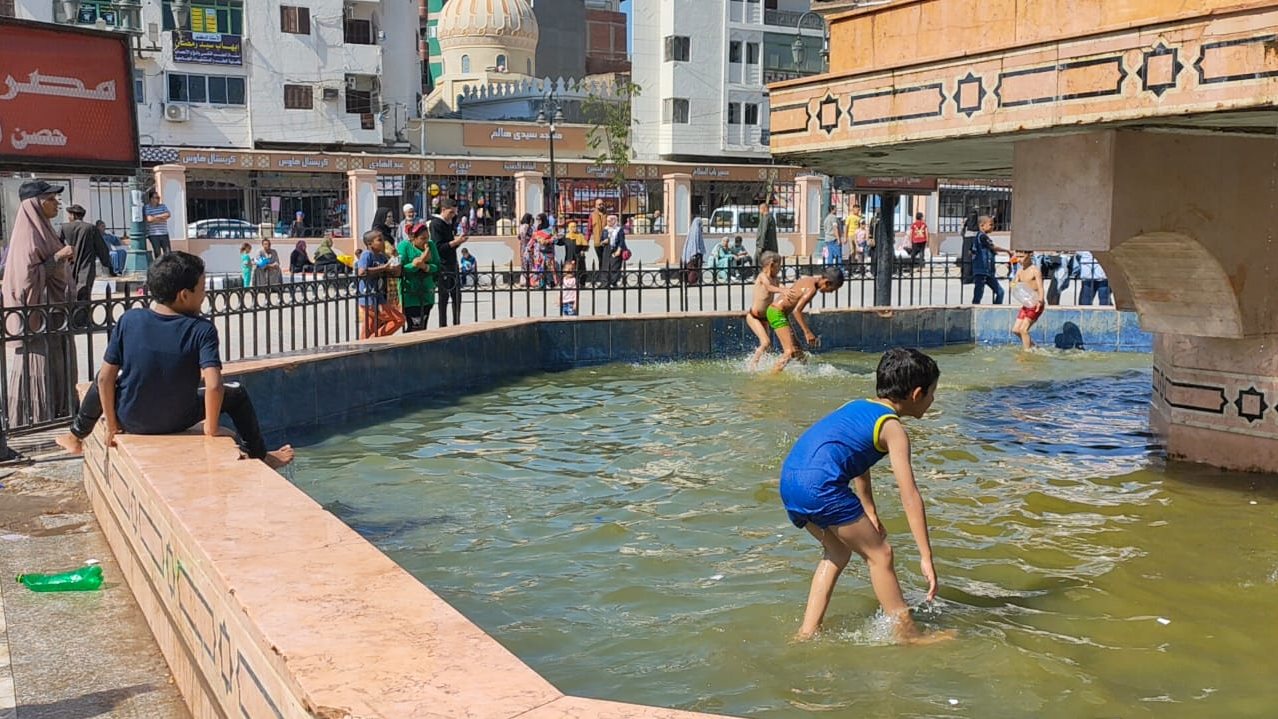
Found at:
<point>839,450</point>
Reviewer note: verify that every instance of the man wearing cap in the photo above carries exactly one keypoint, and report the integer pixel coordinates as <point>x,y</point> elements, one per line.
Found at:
<point>90,248</point>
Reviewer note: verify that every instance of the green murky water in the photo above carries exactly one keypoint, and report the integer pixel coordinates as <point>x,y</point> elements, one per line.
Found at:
<point>619,529</point>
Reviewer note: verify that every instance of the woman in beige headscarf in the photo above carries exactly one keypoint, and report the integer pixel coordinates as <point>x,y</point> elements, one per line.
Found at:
<point>37,275</point>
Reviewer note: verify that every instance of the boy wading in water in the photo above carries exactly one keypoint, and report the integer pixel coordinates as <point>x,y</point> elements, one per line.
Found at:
<point>1031,278</point>
<point>840,449</point>
<point>794,299</point>
<point>151,370</point>
<point>765,286</point>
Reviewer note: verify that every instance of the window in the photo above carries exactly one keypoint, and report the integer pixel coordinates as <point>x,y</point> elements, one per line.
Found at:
<point>359,101</point>
<point>752,53</point>
<point>528,63</point>
<point>295,20</point>
<point>358,32</point>
<point>678,48</point>
<point>299,97</point>
<point>751,113</point>
<point>465,64</point>
<point>92,11</point>
<point>206,89</point>
<point>734,51</point>
<point>734,113</point>
<point>7,9</point>
<point>674,110</point>
<point>217,16</point>
<point>226,90</point>
<point>139,87</point>
<point>501,63</point>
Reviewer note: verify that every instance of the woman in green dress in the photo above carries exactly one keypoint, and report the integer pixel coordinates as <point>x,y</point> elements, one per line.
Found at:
<point>419,263</point>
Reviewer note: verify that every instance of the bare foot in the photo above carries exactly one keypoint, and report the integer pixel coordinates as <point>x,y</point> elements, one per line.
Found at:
<point>71,443</point>
<point>802,636</point>
<point>280,457</point>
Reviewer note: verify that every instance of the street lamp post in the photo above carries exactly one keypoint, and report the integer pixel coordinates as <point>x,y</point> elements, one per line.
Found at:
<point>799,53</point>
<point>551,114</point>
<point>799,49</point>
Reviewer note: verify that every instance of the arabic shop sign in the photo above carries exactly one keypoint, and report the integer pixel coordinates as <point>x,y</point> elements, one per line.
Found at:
<point>569,139</point>
<point>207,48</point>
<point>65,97</point>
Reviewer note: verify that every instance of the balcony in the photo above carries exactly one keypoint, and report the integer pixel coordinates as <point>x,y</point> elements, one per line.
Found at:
<point>362,59</point>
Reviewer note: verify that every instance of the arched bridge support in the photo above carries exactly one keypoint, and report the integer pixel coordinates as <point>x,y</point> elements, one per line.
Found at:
<point>1186,227</point>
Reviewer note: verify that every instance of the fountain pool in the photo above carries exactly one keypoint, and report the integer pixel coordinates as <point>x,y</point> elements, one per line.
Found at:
<point>618,528</point>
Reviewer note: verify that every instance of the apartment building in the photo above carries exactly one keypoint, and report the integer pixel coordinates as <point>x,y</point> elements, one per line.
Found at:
<point>335,74</point>
<point>703,66</point>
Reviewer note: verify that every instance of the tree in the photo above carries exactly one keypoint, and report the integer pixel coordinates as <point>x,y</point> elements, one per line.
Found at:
<point>609,135</point>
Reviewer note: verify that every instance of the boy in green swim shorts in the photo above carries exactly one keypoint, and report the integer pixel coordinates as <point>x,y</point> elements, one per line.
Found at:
<point>794,300</point>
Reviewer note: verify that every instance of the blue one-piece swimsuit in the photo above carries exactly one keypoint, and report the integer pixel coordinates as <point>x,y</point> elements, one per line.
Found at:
<point>834,451</point>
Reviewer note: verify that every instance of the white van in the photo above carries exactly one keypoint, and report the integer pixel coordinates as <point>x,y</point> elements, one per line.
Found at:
<point>744,220</point>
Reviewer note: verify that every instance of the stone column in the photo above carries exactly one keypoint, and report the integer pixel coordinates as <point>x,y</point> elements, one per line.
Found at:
<point>808,213</point>
<point>530,193</point>
<point>170,180</point>
<point>932,216</point>
<point>1184,227</point>
<point>361,188</point>
<point>677,201</point>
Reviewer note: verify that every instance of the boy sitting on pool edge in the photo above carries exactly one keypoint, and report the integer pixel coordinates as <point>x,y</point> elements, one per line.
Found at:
<point>840,449</point>
<point>794,299</point>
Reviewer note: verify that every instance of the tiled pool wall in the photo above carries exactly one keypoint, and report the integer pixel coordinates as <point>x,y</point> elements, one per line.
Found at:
<point>328,389</point>
<point>265,605</point>
<point>1101,329</point>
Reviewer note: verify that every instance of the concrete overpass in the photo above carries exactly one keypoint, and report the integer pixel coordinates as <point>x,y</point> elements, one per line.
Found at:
<point>1143,130</point>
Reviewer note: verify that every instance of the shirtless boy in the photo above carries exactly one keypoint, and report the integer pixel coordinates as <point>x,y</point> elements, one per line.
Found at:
<point>795,299</point>
<point>765,286</point>
<point>1031,277</point>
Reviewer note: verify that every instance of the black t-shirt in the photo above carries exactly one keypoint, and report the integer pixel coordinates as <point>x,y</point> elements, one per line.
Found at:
<point>442,233</point>
<point>160,358</point>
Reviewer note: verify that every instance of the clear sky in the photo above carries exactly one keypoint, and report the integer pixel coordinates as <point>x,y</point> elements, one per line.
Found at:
<point>630,25</point>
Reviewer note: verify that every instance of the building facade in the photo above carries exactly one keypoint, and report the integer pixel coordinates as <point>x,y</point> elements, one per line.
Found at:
<point>702,66</point>
<point>606,33</point>
<point>562,49</point>
<point>236,74</point>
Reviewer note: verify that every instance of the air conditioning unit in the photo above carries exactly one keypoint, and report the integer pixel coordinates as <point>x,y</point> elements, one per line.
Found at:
<point>330,94</point>
<point>177,113</point>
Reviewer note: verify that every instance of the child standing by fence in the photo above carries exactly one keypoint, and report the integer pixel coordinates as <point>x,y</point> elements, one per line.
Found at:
<point>568,295</point>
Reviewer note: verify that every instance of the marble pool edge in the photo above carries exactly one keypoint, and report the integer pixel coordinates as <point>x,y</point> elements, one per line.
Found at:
<point>266,605</point>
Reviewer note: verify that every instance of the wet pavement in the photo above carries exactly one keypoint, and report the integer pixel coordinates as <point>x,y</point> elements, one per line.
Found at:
<point>77,654</point>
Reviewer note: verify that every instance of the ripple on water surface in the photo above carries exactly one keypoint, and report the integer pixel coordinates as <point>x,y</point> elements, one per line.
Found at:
<point>619,528</point>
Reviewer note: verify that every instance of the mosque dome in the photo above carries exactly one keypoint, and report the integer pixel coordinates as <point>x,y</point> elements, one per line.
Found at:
<point>508,24</point>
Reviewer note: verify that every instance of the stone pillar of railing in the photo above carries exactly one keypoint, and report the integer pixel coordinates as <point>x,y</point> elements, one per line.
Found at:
<point>529,193</point>
<point>678,211</point>
<point>808,189</point>
<point>170,181</point>
<point>361,186</point>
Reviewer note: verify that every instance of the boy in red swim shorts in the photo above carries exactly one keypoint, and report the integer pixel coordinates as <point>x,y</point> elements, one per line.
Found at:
<point>1029,282</point>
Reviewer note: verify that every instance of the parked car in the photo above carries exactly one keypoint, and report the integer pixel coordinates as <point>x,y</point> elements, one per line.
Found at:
<point>744,219</point>
<point>222,229</point>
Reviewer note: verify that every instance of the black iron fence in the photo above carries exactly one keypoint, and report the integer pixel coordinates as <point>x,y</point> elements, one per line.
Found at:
<point>48,349</point>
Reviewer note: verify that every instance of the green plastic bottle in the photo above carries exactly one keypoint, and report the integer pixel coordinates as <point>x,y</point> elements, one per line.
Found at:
<point>84,579</point>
